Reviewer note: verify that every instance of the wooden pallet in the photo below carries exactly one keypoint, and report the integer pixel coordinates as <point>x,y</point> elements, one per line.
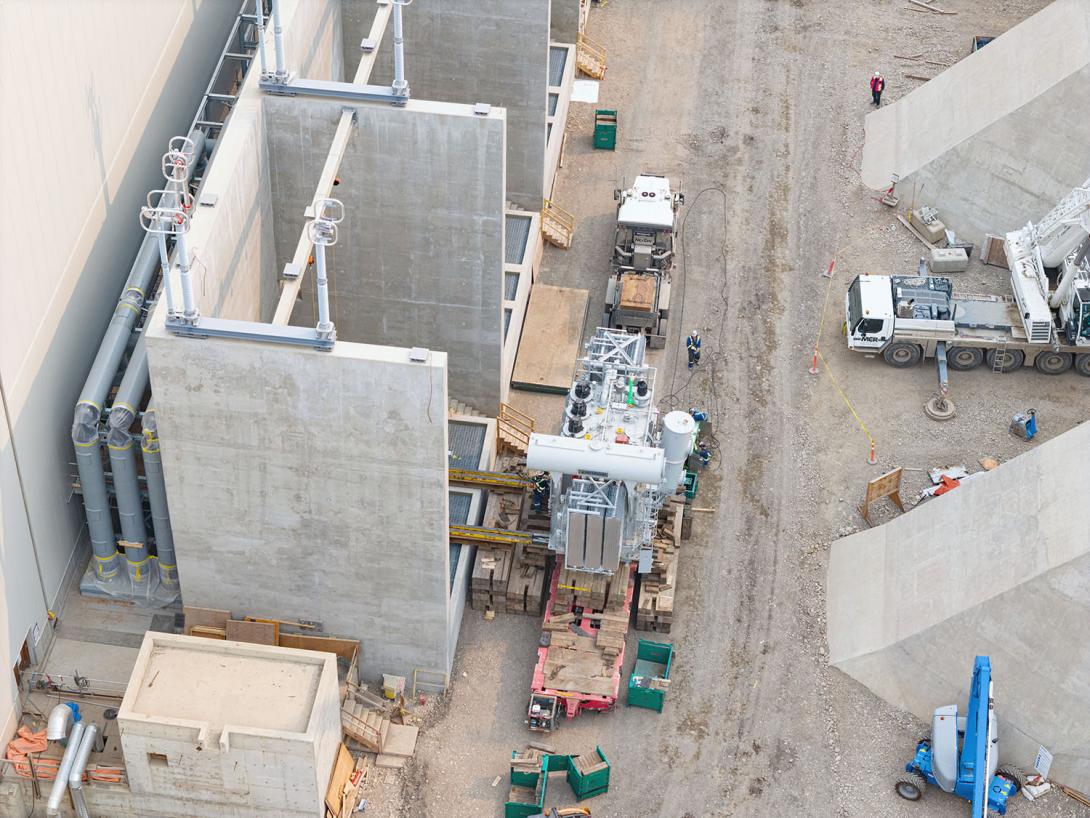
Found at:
<point>491,573</point>
<point>655,604</point>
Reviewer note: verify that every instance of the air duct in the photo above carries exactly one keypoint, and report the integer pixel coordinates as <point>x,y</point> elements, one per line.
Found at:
<point>79,766</point>
<point>60,717</point>
<point>60,783</point>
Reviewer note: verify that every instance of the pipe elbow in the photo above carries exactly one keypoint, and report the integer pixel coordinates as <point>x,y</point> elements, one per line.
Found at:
<point>85,424</point>
<point>60,718</point>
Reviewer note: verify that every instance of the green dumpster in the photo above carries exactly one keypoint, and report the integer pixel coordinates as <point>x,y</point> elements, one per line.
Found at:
<point>646,686</point>
<point>691,484</point>
<point>588,774</point>
<point>605,129</point>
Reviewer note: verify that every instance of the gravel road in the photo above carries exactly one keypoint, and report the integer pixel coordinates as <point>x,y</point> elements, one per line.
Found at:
<point>756,106</point>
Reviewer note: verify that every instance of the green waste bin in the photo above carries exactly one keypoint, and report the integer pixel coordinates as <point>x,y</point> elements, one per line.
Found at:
<point>653,660</point>
<point>692,483</point>
<point>605,129</point>
<point>589,775</point>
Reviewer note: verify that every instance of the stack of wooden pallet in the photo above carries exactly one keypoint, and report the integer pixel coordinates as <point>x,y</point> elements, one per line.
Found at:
<point>491,573</point>
<point>591,591</point>
<point>655,607</point>
<point>526,585</point>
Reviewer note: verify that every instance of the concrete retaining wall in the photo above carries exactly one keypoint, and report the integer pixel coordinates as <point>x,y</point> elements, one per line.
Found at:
<point>1000,566</point>
<point>493,51</point>
<point>995,140</point>
<point>419,256</point>
<point>311,485</point>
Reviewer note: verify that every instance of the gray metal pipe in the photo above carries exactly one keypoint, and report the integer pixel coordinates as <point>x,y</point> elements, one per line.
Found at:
<point>85,423</point>
<point>400,86</point>
<point>278,43</point>
<point>60,783</point>
<point>122,448</point>
<point>259,12</point>
<point>79,766</point>
<point>88,412</point>
<point>157,499</point>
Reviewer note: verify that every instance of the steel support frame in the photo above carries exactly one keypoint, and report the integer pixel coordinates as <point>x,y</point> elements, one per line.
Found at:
<point>346,91</point>
<point>206,327</point>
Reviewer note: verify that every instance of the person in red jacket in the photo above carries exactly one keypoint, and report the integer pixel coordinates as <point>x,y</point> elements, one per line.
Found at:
<point>877,86</point>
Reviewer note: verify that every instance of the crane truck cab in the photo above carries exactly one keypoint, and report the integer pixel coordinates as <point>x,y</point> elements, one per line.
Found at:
<point>638,293</point>
<point>868,313</point>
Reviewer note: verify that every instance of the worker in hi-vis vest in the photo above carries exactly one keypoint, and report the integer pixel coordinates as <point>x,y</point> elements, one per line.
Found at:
<point>692,345</point>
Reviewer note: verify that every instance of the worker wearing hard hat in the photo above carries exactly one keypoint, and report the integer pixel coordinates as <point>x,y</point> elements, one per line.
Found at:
<point>692,345</point>
<point>877,86</point>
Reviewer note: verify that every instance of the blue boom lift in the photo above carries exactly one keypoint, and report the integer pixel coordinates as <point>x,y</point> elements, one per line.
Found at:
<point>961,755</point>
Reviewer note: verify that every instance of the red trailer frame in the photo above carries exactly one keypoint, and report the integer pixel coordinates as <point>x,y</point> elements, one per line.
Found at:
<point>575,702</point>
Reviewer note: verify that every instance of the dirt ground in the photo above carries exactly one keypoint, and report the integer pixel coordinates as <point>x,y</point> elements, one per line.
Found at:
<point>756,106</point>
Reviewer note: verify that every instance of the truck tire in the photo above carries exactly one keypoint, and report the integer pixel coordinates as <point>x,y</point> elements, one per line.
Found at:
<point>1052,363</point>
<point>910,786</point>
<point>1082,364</point>
<point>1012,359</point>
<point>1014,775</point>
<point>964,358</point>
<point>902,355</point>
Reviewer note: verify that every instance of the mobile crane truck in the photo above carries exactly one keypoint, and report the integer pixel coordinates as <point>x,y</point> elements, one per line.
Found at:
<point>638,293</point>
<point>1044,322</point>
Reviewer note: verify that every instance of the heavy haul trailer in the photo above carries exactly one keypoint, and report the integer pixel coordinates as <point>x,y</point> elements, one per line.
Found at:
<point>610,470</point>
<point>909,318</point>
<point>638,293</point>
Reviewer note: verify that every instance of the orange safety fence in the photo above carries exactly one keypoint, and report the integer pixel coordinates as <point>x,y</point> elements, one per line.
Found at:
<point>27,742</point>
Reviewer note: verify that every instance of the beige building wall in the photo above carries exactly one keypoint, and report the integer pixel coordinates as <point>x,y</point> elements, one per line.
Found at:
<point>91,93</point>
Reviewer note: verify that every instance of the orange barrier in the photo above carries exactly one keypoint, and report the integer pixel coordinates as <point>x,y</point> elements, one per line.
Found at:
<point>27,742</point>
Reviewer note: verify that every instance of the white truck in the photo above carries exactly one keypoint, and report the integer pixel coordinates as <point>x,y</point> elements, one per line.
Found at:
<point>638,293</point>
<point>1045,322</point>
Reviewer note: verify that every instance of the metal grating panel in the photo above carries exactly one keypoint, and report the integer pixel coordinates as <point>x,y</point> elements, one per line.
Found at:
<point>506,321</point>
<point>548,132</point>
<point>459,515</point>
<point>557,57</point>
<point>553,100</point>
<point>510,286</point>
<point>466,443</point>
<point>516,237</point>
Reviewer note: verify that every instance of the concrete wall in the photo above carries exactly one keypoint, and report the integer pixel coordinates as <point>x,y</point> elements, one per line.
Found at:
<point>310,485</point>
<point>994,141</point>
<point>1000,566</point>
<point>261,761</point>
<point>90,96</point>
<point>419,257</point>
<point>564,27</point>
<point>494,51</point>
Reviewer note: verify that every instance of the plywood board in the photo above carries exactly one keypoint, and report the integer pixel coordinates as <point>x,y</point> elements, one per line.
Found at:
<point>207,617</point>
<point>637,292</point>
<point>400,740</point>
<point>345,648</point>
<point>258,633</point>
<point>551,338</point>
<point>343,768</point>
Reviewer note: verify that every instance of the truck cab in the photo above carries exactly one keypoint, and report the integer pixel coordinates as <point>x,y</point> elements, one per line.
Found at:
<point>868,313</point>
<point>638,294</point>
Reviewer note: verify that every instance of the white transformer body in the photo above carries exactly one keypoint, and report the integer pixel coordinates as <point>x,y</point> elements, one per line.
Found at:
<point>610,468</point>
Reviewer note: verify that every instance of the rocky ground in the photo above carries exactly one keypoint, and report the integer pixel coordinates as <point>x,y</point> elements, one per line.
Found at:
<point>757,107</point>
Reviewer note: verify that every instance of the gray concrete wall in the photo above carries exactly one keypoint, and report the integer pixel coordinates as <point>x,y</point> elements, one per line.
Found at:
<point>564,27</point>
<point>1016,169</point>
<point>419,258</point>
<point>999,567</point>
<point>993,141</point>
<point>311,485</point>
<point>494,51</point>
